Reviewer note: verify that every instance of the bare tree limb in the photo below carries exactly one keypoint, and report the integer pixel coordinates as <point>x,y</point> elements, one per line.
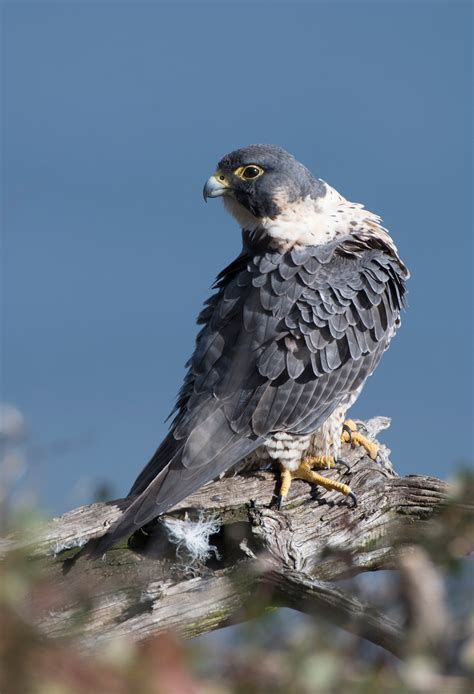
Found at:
<point>266,557</point>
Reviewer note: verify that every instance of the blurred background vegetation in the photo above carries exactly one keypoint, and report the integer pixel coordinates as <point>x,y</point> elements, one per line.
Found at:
<point>431,594</point>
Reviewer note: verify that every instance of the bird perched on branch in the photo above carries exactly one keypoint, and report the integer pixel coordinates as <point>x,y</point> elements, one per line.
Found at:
<point>297,323</point>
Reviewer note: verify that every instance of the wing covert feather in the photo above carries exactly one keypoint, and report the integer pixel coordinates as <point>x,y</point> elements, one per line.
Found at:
<point>309,332</point>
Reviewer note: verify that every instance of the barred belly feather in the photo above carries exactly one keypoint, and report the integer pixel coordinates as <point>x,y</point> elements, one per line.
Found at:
<point>289,449</point>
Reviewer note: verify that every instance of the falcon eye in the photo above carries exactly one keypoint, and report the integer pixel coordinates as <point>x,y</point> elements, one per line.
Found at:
<point>249,172</point>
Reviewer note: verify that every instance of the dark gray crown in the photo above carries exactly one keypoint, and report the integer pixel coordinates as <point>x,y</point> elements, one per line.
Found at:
<point>283,175</point>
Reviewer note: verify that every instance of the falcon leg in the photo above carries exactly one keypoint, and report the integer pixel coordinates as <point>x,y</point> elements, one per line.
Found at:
<point>326,461</point>
<point>285,484</point>
<point>304,472</point>
<point>352,436</point>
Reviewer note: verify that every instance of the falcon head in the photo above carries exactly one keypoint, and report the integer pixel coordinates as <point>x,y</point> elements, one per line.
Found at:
<point>260,180</point>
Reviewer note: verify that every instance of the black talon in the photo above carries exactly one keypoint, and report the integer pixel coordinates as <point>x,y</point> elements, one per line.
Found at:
<point>279,502</point>
<point>343,462</point>
<point>354,499</point>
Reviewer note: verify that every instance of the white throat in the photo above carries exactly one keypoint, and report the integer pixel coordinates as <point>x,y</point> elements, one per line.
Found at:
<point>242,216</point>
<point>309,222</point>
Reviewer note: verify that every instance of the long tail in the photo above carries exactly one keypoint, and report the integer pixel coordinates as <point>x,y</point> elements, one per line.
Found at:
<point>176,470</point>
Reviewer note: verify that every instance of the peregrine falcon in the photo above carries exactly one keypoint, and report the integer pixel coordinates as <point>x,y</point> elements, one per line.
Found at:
<point>297,323</point>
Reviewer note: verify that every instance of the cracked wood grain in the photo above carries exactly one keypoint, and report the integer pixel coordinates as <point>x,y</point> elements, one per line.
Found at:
<point>267,557</point>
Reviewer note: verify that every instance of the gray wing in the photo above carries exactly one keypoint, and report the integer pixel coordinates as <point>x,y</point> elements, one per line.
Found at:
<point>334,317</point>
<point>288,338</point>
<point>284,340</point>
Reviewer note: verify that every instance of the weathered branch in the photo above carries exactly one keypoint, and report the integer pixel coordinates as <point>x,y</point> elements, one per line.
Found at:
<point>266,557</point>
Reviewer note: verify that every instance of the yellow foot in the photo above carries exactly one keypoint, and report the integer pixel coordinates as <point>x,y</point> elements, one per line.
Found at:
<point>326,461</point>
<point>352,436</point>
<point>304,472</point>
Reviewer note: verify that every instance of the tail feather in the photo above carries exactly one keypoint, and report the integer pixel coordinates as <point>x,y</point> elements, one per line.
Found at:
<point>166,480</point>
<point>164,455</point>
<point>126,524</point>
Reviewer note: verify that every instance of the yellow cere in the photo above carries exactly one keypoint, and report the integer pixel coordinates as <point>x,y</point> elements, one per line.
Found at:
<point>219,176</point>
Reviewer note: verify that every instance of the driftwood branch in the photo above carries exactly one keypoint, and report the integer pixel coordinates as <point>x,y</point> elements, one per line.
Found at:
<point>264,557</point>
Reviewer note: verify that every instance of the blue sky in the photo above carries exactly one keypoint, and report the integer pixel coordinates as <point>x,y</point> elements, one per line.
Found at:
<point>114,115</point>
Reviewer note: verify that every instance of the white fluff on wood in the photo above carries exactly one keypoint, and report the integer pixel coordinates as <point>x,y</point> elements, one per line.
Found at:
<point>193,536</point>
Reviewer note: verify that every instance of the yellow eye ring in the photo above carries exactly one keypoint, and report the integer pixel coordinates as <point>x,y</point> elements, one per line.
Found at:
<point>249,172</point>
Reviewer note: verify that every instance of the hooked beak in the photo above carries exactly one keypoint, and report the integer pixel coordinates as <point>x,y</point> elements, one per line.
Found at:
<point>216,186</point>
